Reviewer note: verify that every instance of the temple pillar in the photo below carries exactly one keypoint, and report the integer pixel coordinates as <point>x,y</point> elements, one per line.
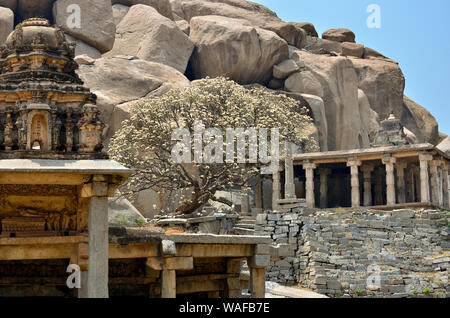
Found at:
<point>389,161</point>
<point>309,171</point>
<point>401,186</point>
<point>354,164</point>
<point>257,266</point>
<point>367,174</point>
<point>97,277</point>
<point>245,201</point>
<point>410,184</point>
<point>276,186</point>
<point>424,177</point>
<point>445,194</point>
<point>324,172</point>
<point>289,186</point>
<point>434,174</point>
<point>168,283</point>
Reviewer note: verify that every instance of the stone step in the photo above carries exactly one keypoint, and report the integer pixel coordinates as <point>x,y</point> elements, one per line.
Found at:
<point>245,225</point>
<point>243,231</point>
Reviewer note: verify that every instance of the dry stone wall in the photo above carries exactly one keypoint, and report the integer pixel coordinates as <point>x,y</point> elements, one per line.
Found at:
<point>360,253</point>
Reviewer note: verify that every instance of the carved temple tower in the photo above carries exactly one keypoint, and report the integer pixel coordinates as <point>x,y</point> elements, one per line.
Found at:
<point>54,178</point>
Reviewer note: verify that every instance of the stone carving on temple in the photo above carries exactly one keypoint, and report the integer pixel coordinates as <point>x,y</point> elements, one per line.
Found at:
<point>391,133</point>
<point>45,111</point>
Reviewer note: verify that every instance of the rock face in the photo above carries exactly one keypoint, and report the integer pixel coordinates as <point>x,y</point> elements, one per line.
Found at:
<point>6,23</point>
<point>304,82</point>
<point>144,33</point>
<point>291,33</point>
<point>100,29</point>
<point>256,14</point>
<point>11,4</point>
<point>383,83</point>
<point>284,69</point>
<point>230,47</point>
<point>119,12</point>
<point>339,35</point>
<point>309,28</point>
<point>339,84</point>
<point>444,145</point>
<point>84,48</point>
<point>352,49</point>
<point>34,8</point>
<point>123,79</point>
<point>420,122</point>
<point>162,6</point>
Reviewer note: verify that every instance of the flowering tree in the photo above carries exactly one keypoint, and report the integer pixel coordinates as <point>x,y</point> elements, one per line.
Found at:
<point>146,142</point>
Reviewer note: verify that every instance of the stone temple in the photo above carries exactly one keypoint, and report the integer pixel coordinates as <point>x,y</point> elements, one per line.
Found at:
<point>54,187</point>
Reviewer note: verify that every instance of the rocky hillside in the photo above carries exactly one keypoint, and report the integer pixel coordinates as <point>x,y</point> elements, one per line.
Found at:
<point>129,49</point>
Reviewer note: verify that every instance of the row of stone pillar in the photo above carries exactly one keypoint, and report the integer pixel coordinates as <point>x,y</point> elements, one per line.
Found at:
<point>406,191</point>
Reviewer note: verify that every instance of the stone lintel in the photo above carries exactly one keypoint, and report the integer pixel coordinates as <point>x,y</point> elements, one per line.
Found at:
<point>171,263</point>
<point>425,156</point>
<point>258,261</point>
<point>388,159</point>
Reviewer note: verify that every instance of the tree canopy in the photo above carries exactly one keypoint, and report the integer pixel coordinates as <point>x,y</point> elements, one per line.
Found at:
<point>146,141</point>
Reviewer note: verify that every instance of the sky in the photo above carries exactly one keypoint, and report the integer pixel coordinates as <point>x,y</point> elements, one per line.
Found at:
<point>415,33</point>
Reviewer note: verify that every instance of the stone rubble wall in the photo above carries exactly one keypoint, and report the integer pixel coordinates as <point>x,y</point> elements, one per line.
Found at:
<point>344,253</point>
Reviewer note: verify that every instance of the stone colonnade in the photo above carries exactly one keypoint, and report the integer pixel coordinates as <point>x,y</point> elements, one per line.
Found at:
<point>406,182</point>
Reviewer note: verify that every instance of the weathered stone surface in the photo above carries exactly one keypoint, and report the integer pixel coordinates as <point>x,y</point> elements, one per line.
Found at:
<point>82,48</point>
<point>383,83</point>
<point>419,121</point>
<point>284,69</point>
<point>184,26</point>
<point>231,48</point>
<point>100,29</point>
<point>370,123</point>
<point>256,14</point>
<point>322,46</point>
<point>119,12</point>
<point>352,49</point>
<point>308,27</point>
<point>291,33</point>
<point>11,4</point>
<point>444,145</point>
<point>162,6</point>
<point>145,33</point>
<point>339,35</point>
<point>320,120</point>
<point>84,60</point>
<point>34,8</point>
<point>122,213</point>
<point>122,79</point>
<point>339,84</point>
<point>6,23</point>
<point>304,82</point>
